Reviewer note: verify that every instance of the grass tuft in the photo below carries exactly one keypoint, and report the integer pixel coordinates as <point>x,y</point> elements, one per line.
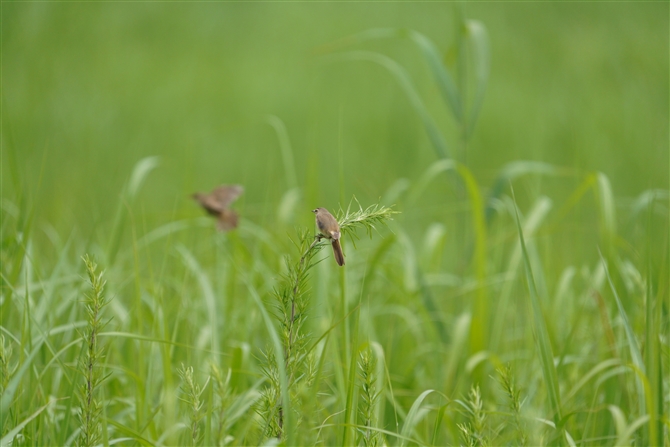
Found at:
<point>508,385</point>
<point>291,309</point>
<point>191,395</point>
<point>366,219</point>
<point>473,432</point>
<point>368,397</point>
<point>7,371</point>
<point>90,362</point>
<point>224,399</point>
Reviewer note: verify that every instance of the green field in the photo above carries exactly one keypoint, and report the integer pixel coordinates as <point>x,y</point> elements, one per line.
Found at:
<point>500,172</point>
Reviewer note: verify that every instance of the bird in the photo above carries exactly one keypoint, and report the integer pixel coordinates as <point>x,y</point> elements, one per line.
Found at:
<point>330,230</point>
<point>217,204</point>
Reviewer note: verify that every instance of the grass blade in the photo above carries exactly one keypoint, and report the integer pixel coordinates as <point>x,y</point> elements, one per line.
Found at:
<point>411,420</point>
<point>533,219</point>
<point>279,356</point>
<point>430,53</point>
<point>635,353</point>
<point>8,439</point>
<point>475,34</point>
<point>207,293</point>
<point>140,171</point>
<point>459,339</point>
<point>605,199</point>
<point>12,386</point>
<point>510,172</point>
<point>436,168</point>
<point>540,329</point>
<point>479,331</point>
<point>443,78</point>
<point>623,429</point>
<point>131,433</point>
<point>480,321</point>
<point>286,152</point>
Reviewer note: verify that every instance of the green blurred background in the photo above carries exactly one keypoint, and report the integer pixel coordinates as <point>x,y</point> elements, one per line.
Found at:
<point>88,89</point>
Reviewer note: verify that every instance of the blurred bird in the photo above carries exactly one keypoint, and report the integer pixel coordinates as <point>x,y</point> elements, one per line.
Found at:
<point>217,204</point>
<point>330,230</point>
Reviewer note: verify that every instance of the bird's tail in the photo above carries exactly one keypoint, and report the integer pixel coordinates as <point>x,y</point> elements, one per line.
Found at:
<point>337,250</point>
<point>228,220</point>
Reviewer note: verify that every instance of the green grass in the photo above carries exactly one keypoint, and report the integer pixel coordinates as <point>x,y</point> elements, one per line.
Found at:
<point>518,296</point>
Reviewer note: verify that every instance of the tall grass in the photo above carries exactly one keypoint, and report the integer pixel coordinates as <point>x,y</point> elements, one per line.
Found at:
<point>584,378</point>
<point>474,317</point>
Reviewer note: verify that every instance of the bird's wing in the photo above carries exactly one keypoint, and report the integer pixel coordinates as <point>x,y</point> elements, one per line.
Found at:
<point>226,194</point>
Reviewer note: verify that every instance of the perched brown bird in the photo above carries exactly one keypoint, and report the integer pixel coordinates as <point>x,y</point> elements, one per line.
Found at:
<point>217,204</point>
<point>330,230</point>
